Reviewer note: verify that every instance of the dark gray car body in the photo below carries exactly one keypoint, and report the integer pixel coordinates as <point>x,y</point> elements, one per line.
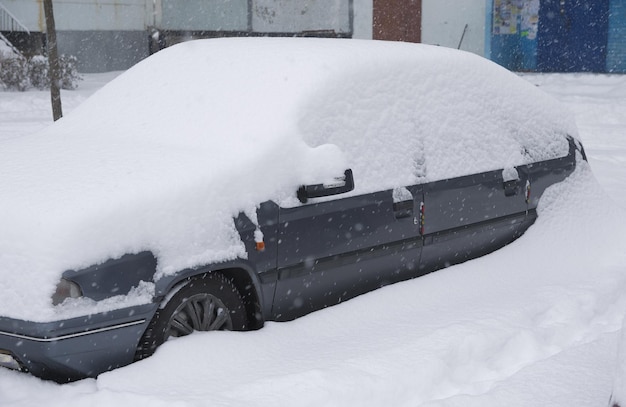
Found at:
<point>316,255</point>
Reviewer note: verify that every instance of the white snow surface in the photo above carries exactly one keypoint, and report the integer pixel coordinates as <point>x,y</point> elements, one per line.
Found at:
<point>5,50</point>
<point>534,324</point>
<point>166,154</point>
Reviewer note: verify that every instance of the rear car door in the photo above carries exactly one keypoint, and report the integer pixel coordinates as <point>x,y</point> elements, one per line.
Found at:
<point>469,216</point>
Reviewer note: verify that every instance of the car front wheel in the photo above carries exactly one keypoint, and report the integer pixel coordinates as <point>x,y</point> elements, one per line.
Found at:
<point>207,303</point>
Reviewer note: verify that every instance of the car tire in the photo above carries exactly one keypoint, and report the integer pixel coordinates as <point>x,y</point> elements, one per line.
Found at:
<point>208,303</point>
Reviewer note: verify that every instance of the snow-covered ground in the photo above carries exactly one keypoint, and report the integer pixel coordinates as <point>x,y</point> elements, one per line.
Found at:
<point>534,324</point>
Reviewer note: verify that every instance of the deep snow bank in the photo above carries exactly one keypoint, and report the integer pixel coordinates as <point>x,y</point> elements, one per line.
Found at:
<point>162,157</point>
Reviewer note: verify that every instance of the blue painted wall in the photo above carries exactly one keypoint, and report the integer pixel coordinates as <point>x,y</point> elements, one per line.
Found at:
<point>514,49</point>
<point>616,49</point>
<point>572,36</point>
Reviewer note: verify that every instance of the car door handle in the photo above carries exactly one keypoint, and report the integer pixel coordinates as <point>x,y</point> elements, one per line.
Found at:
<point>403,209</point>
<point>511,187</point>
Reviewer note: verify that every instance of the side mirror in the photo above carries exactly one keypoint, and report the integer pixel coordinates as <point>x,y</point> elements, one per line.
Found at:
<point>343,184</point>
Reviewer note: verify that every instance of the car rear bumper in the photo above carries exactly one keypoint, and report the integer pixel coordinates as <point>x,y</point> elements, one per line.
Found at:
<point>75,348</point>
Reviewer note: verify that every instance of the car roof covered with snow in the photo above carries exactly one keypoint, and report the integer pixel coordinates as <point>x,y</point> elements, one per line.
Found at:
<point>166,154</point>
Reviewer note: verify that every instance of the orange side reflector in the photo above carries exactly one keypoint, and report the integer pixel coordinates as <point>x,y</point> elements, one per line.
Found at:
<point>260,246</point>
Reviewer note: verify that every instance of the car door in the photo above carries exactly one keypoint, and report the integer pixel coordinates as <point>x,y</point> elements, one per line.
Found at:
<point>466,217</point>
<point>334,250</point>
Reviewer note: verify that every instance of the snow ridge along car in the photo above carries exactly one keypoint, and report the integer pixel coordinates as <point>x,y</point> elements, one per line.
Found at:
<point>223,183</point>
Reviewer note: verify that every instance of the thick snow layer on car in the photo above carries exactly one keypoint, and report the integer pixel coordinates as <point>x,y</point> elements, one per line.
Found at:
<point>163,157</point>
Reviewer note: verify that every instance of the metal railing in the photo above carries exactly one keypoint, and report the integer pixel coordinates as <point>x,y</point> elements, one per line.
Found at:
<point>8,22</point>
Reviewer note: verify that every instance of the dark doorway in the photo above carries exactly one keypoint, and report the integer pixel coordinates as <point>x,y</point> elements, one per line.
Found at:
<point>398,20</point>
<point>572,35</point>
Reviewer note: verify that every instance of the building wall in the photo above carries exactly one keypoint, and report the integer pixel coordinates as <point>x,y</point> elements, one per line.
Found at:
<point>301,16</point>
<point>363,19</point>
<point>115,34</point>
<point>568,36</point>
<point>616,49</point>
<point>203,15</point>
<point>99,15</point>
<point>104,51</point>
<point>104,35</point>
<point>511,43</point>
<point>258,16</point>
<point>443,22</point>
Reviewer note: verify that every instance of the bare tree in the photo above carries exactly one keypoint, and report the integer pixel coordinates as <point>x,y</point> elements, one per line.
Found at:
<point>53,58</point>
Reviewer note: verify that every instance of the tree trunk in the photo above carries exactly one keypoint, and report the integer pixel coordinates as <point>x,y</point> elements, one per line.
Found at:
<point>53,59</point>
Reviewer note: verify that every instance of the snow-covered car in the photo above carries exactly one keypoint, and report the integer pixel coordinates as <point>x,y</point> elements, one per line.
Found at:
<point>223,183</point>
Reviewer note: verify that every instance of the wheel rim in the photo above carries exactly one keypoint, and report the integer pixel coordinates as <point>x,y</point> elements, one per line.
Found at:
<point>200,312</point>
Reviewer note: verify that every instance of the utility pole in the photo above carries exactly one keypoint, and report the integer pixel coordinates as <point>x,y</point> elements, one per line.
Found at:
<point>53,60</point>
